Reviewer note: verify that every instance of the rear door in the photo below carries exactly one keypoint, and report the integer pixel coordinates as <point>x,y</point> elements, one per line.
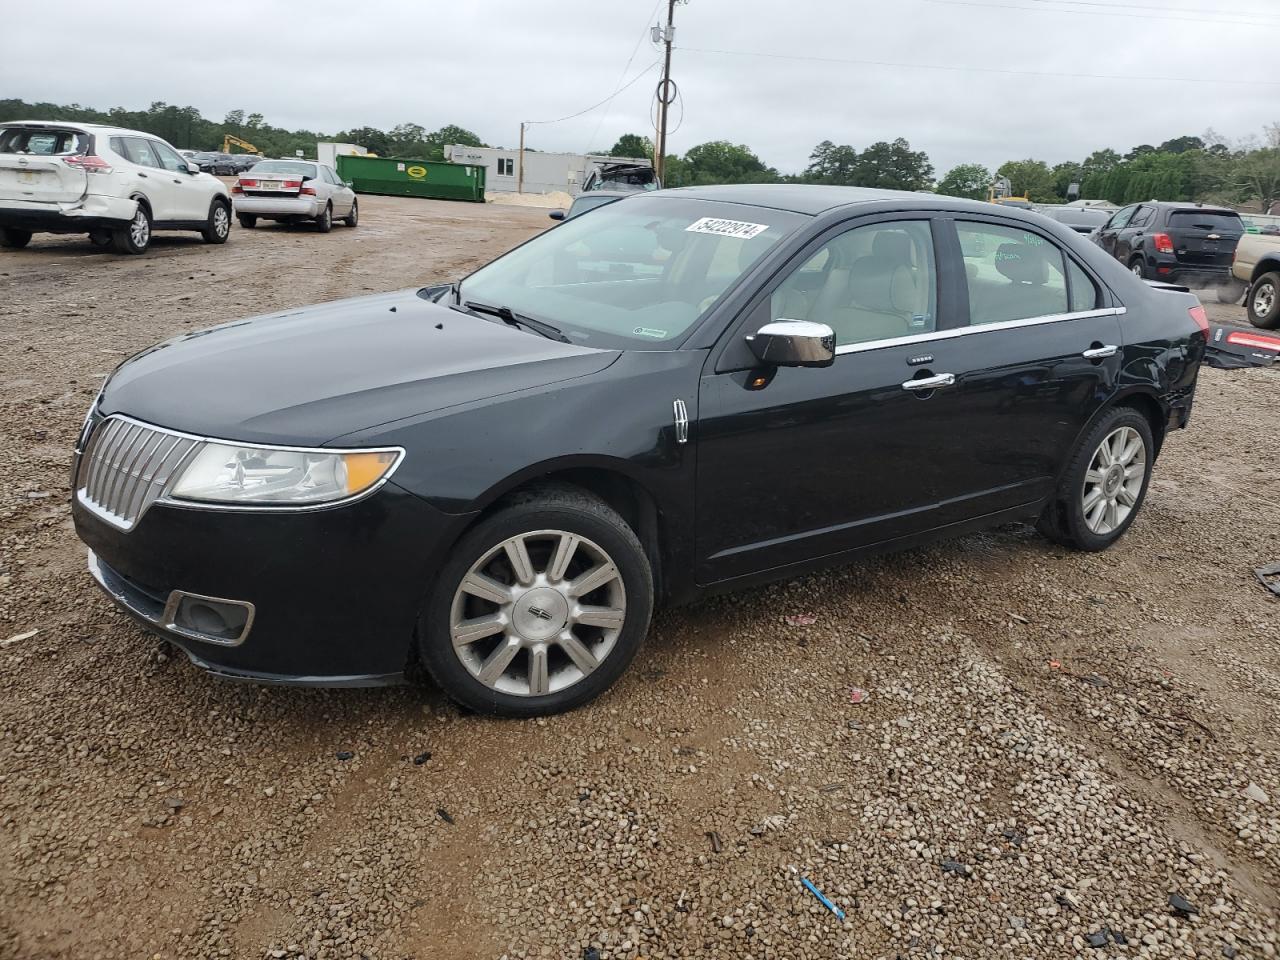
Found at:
<point>1204,237</point>
<point>1131,238</point>
<point>150,178</point>
<point>34,167</point>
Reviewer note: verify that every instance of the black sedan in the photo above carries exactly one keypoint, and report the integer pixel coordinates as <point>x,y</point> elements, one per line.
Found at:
<point>687,391</point>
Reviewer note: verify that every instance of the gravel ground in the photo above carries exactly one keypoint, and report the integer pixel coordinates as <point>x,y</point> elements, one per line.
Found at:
<point>989,748</point>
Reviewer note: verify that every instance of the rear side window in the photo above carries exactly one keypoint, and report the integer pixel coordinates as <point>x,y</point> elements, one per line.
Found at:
<point>1012,274</point>
<point>140,152</point>
<point>43,143</point>
<point>1141,217</point>
<point>1084,292</point>
<point>1213,221</point>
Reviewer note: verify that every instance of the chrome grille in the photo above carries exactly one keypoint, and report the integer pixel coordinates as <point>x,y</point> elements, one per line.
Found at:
<point>126,465</point>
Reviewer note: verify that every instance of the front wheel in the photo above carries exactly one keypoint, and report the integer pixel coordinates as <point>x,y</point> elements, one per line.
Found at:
<point>540,608</point>
<point>352,218</point>
<point>136,237</point>
<point>218,229</point>
<point>14,239</point>
<point>1264,301</point>
<point>324,222</point>
<point>1104,484</point>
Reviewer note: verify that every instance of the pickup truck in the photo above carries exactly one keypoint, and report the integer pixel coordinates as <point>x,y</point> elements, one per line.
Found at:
<point>1257,263</point>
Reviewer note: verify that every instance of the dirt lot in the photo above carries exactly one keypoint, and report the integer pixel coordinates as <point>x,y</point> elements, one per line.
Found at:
<point>1050,745</point>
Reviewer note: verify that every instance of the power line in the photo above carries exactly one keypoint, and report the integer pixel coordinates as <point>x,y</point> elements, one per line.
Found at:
<point>1161,8</point>
<point>993,70</point>
<point>1099,13</point>
<point>618,89</point>
<point>529,123</point>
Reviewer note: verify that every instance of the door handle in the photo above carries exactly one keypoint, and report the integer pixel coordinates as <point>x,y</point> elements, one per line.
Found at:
<point>1101,353</point>
<point>142,175</point>
<point>931,383</point>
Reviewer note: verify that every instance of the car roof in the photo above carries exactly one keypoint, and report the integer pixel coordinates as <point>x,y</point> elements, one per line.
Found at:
<point>813,198</point>
<point>1185,205</point>
<point>74,125</point>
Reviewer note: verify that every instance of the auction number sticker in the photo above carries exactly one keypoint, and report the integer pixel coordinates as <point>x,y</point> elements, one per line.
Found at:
<point>727,228</point>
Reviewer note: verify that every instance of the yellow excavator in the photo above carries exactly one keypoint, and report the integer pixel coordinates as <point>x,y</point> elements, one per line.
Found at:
<point>1001,192</point>
<point>229,141</point>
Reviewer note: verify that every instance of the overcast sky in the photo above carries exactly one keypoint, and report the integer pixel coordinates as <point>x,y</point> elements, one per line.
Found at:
<point>488,64</point>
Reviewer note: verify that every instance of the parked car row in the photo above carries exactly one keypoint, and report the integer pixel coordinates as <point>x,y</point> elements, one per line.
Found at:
<point>224,164</point>
<point>120,186</point>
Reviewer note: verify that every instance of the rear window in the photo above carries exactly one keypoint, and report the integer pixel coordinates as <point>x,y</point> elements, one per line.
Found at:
<point>1214,220</point>
<point>45,143</point>
<point>294,167</point>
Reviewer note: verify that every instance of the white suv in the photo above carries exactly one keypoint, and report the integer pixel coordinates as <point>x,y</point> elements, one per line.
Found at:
<point>115,185</point>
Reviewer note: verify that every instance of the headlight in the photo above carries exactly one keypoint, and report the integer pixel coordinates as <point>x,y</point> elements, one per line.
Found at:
<point>224,473</point>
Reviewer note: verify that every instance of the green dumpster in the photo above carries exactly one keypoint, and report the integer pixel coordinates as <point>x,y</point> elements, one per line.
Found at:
<point>407,177</point>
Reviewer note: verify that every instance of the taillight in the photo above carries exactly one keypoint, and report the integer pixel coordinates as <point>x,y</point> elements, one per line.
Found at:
<point>1201,318</point>
<point>247,183</point>
<point>237,187</point>
<point>1163,242</point>
<point>308,191</point>
<point>88,163</point>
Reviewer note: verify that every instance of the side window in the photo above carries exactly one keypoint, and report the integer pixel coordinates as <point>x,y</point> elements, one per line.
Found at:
<point>1120,219</point>
<point>168,159</point>
<point>871,283</point>
<point>1141,217</point>
<point>1084,292</point>
<point>1012,274</point>
<point>140,152</point>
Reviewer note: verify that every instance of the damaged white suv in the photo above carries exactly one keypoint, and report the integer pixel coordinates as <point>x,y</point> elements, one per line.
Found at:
<point>116,185</point>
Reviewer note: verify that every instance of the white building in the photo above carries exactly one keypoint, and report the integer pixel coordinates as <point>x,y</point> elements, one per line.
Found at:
<point>543,172</point>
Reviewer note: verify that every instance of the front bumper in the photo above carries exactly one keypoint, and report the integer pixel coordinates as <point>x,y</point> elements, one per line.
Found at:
<point>90,212</point>
<point>335,594</point>
<point>283,207</point>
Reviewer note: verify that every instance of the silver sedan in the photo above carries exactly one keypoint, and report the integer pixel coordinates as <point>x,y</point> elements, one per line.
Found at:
<point>292,191</point>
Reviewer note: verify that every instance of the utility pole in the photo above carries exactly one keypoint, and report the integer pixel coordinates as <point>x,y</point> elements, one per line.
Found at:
<point>664,91</point>
<point>520,163</point>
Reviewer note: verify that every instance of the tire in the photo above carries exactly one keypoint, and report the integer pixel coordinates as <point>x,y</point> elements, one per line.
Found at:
<point>14,239</point>
<point>100,238</point>
<point>1114,494</point>
<point>1231,291</point>
<point>247,220</point>
<point>1264,301</point>
<point>352,218</point>
<point>1138,267</point>
<point>324,222</point>
<point>136,237</point>
<point>580,660</point>
<point>219,226</point>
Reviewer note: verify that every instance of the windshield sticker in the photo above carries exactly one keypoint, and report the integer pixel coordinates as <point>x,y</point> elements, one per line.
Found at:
<point>650,332</point>
<point>727,228</point>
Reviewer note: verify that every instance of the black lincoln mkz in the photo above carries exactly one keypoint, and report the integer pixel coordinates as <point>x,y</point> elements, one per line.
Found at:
<point>686,391</point>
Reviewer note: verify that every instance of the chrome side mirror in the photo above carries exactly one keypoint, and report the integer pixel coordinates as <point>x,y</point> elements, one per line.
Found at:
<point>794,343</point>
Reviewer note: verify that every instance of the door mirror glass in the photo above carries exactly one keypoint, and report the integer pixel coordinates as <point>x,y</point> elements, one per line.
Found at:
<point>794,343</point>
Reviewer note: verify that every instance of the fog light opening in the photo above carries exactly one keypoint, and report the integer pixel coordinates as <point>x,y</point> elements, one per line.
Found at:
<point>207,618</point>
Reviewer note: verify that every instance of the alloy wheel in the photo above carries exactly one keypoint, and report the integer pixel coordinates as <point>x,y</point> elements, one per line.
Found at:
<point>221,221</point>
<point>537,613</point>
<point>1264,300</point>
<point>140,229</point>
<point>1113,482</point>
<point>1136,268</point>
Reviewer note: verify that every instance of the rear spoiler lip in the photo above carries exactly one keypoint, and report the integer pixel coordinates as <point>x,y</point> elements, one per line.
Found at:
<point>1171,287</point>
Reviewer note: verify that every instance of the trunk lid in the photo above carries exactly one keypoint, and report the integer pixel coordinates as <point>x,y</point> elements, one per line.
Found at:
<point>33,163</point>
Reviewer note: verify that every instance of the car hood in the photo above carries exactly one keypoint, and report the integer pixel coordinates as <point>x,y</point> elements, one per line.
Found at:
<point>309,375</point>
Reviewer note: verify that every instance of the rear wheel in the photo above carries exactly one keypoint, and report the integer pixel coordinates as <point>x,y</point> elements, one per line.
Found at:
<point>1264,301</point>
<point>352,218</point>
<point>540,608</point>
<point>247,220</point>
<point>1104,484</point>
<point>324,222</point>
<point>1138,268</point>
<point>14,239</point>
<point>218,228</point>
<point>136,237</point>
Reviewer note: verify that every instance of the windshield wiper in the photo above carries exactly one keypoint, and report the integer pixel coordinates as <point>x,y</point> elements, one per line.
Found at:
<point>509,317</point>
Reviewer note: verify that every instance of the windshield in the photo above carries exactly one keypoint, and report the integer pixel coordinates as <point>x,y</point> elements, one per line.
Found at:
<point>285,166</point>
<point>636,273</point>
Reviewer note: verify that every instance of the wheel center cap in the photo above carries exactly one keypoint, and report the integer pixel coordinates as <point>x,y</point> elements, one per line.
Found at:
<point>540,614</point>
<point>1115,476</point>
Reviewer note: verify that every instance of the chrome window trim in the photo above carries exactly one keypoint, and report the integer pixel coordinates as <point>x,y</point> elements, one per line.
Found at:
<point>170,501</point>
<point>977,328</point>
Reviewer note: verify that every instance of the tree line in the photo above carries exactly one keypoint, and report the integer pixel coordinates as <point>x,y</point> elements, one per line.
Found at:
<point>1205,168</point>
